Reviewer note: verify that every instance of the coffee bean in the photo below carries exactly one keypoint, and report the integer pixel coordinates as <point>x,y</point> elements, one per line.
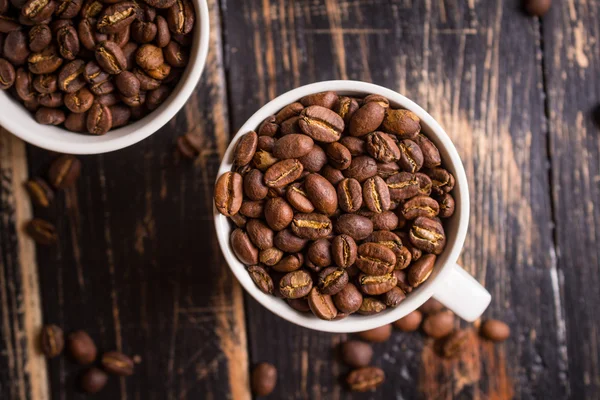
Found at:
<point>394,243</point>
<point>356,146</point>
<point>393,297</point>
<point>334,176</point>
<point>353,225</point>
<point>411,156</point>
<point>386,170</point>
<point>442,181</point>
<point>40,192</point>
<point>356,353</point>
<point>292,146</point>
<point>371,306</point>
<point>278,213</point>
<point>146,82</point>
<point>377,335</point>
<point>288,112</point>
<point>175,55</point>
<point>254,187</point>
<point>431,306</point>
<point>23,85</point>
<point>382,147</point>
<point>189,145</point>
<point>38,10</point>
<point>455,343</point>
<point>431,154</point>
<point>160,3</point>
<point>315,160</point>
<point>386,220</point>
<point>376,194</point>
<point>127,83</point>
<point>321,194</point>
<point>321,305</point>
<point>300,305</point>
<point>110,57</point>
<point>259,234</point>
<point>410,322</point>
<point>120,115</point>
<point>349,194</point>
<point>68,8</point>
<point>296,284</point>
<point>180,17</point>
<point>271,256</point>
<point>76,122</point>
<point>348,299</point>
<point>366,119</point>
<point>116,17</point>
<point>286,241</point>
<point>243,247</point>
<point>446,204</point>
<point>311,226</point>
<point>428,235</point>
<point>88,37</point>
<point>323,99</point>
<point>321,124</point>
<point>420,206</point>
<point>91,8</point>
<point>403,123</point>
<point>229,193</point>
<point>296,195</point>
<point>375,259</point>
<point>8,24</point>
<point>266,143</point>
<point>376,285</point>
<point>319,253</point>
<point>40,36</point>
<point>93,380</point>
<point>344,251</point>
<point>264,379</point>
<point>421,269</point>
<point>261,278</point>
<point>117,363</point>
<point>81,347</point>
<point>80,101</point>
<point>52,341</point>
<point>438,325</point>
<point>339,155</point>
<point>495,330</point>
<point>252,209</point>
<point>143,32</point>
<point>345,108</point>
<point>332,280</point>
<point>7,74</point>
<point>402,278</point>
<point>157,96</point>
<point>68,42</point>
<point>48,116</point>
<point>293,262</point>
<point>283,173</point>
<point>64,172</point>
<point>99,119</point>
<point>163,36</point>
<point>45,84</point>
<point>361,168</point>
<point>263,160</point>
<point>365,379</point>
<point>537,8</point>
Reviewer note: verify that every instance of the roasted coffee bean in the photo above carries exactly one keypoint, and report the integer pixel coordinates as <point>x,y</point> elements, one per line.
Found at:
<point>377,335</point>
<point>332,280</point>
<point>446,204</point>
<point>8,24</point>
<point>40,192</point>
<point>129,51</point>
<point>353,225</point>
<point>376,98</point>
<point>175,55</point>
<point>271,256</point>
<point>91,8</point>
<point>283,173</point>
<point>387,170</point>
<point>7,74</point>
<point>286,241</point>
<point>68,42</point>
<point>386,220</point>
<point>263,160</point>
<point>431,306</point>
<point>296,284</point>
<point>254,187</point>
<point>311,226</point>
<point>264,379</point>
<point>42,232</point>
<point>68,8</point>
<point>135,101</point>
<point>45,84</point>
<point>50,100</point>
<point>394,243</point>
<point>321,304</point>
<point>319,253</point>
<point>494,330</point>
<point>229,193</point>
<point>371,306</point>
<point>156,97</point>
<point>296,195</point>
<point>321,194</point>
<point>143,32</point>
<point>127,84</point>
<point>268,127</point>
<point>382,147</point>
<point>537,8</point>
<point>375,259</point>
<point>180,17</point>
<point>40,37</point>
<point>50,116</point>
<point>116,17</point>
<point>120,115</point>
<point>88,37</point>
<point>402,278</point>
<point>80,101</point>
<point>348,299</point>
<point>356,353</point>
<point>366,119</point>
<point>261,278</point>
<point>259,234</point>
<point>149,57</point>
<point>455,343</point>
<point>290,125</point>
<point>109,100</point>
<point>343,251</point>
<point>431,154</point>
<point>24,85</point>
<point>345,108</point>
<point>64,172</point>
<point>94,74</point>
<point>441,180</point>
<point>356,146</point>
<point>365,379</point>
<point>349,194</point>
<point>99,119</point>
<point>321,124</point>
<point>411,156</point>
<point>292,146</point>
<point>289,111</point>
<point>334,176</point>
<point>45,62</point>
<point>420,206</point>
<point>15,48</point>
<point>402,186</point>
<point>403,123</point>
<point>414,252</point>
<point>163,36</point>
<point>376,194</point>
<point>278,213</point>
<point>93,380</point>
<point>289,263</point>
<point>428,235</point>
<point>410,322</point>
<point>110,57</point>
<point>81,347</point>
<point>243,247</point>
<point>266,143</point>
<point>315,160</point>
<point>38,11</point>
<point>438,325</point>
<point>52,341</point>
<point>376,284</point>
<point>189,145</point>
<point>323,99</point>
<point>117,363</point>
<point>361,168</point>
<point>421,269</point>
<point>393,297</point>
<point>339,156</point>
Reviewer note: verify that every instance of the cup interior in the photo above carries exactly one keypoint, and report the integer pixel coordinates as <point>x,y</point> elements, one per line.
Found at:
<point>19,121</point>
<point>455,227</point>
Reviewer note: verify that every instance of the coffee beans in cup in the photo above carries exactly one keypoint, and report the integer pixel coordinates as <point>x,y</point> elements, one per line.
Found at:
<point>92,66</point>
<point>338,203</point>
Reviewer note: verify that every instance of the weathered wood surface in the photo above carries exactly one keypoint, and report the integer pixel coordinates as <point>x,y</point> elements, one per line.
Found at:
<point>139,268</point>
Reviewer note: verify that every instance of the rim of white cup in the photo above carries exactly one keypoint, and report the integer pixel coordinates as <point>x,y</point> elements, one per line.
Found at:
<point>63,141</point>
<point>445,262</point>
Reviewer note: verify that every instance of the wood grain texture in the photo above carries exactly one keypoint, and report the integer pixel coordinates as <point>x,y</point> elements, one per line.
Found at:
<point>476,67</point>
<point>22,368</point>
<point>572,65</point>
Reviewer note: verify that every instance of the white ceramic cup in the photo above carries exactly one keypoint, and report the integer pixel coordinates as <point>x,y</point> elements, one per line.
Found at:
<point>19,121</point>
<point>448,283</point>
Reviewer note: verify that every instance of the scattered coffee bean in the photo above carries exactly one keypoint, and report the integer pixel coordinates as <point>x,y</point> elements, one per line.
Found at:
<point>365,379</point>
<point>431,306</point>
<point>410,322</point>
<point>93,380</point>
<point>42,232</point>
<point>377,335</point>
<point>190,145</point>
<point>356,354</point>
<point>117,363</point>
<point>264,379</point>
<point>81,347</point>
<point>495,330</point>
<point>438,325</point>
<point>40,192</point>
<point>52,341</point>
<point>537,8</point>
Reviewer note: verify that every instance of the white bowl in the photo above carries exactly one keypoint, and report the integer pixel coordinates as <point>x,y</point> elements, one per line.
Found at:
<point>456,226</point>
<point>19,121</point>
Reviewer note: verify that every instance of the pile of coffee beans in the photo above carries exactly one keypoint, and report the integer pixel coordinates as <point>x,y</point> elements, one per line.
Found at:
<point>339,204</point>
<point>93,65</point>
<point>82,350</point>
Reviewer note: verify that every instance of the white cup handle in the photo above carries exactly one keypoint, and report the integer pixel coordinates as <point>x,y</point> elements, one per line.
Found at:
<point>462,294</point>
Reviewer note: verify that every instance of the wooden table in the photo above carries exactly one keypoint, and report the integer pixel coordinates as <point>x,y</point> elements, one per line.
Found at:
<point>138,264</point>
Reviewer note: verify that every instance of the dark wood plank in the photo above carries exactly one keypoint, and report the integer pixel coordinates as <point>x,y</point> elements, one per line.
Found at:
<point>572,65</point>
<point>476,67</point>
<point>22,369</point>
<point>138,264</point>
